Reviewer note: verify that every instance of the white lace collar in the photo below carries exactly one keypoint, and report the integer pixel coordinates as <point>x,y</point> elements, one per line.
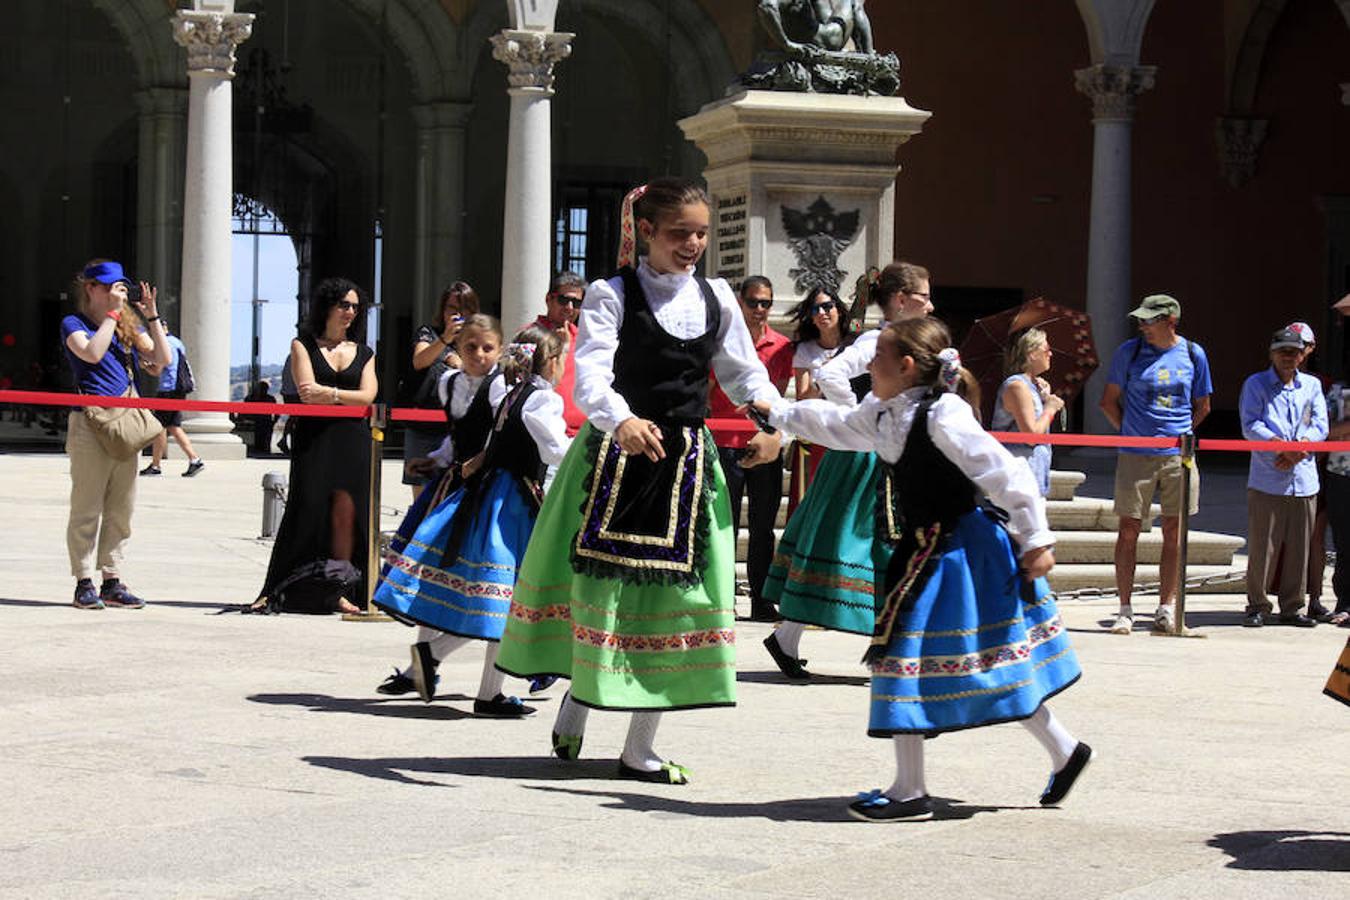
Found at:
<point>661,286</point>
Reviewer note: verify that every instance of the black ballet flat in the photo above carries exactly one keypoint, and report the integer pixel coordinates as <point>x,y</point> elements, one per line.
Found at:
<point>1063,781</point>
<point>790,666</point>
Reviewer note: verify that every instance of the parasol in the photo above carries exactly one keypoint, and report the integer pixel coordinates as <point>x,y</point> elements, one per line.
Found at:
<point>1069,331</point>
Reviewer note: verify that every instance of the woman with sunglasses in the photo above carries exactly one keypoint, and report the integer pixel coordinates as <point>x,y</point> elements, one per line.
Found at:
<point>833,550</point>
<point>822,331</point>
<point>434,355</point>
<point>319,559</point>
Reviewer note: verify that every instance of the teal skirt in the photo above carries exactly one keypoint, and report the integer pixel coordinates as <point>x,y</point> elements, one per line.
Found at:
<point>829,560</point>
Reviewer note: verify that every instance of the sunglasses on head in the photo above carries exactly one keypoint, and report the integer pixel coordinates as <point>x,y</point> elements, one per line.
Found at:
<point>347,305</point>
<point>824,307</point>
<point>759,304</point>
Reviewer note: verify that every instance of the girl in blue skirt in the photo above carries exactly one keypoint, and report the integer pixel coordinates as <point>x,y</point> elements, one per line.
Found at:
<point>455,576</point>
<point>831,553</point>
<point>969,633</point>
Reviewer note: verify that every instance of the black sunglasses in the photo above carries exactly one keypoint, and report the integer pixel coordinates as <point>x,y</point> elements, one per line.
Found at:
<point>564,300</point>
<point>759,304</point>
<point>347,305</point>
<point>825,307</point>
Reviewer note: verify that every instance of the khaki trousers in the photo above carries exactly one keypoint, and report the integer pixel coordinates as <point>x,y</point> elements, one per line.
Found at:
<point>1274,522</point>
<point>102,497</point>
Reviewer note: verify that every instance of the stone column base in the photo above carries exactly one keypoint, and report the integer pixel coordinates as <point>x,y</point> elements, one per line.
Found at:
<point>212,437</point>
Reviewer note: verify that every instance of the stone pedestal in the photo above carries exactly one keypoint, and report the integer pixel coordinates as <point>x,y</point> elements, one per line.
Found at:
<point>208,198</point>
<point>803,186</point>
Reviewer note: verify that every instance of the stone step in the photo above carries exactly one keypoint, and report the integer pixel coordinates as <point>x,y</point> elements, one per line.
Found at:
<point>1203,547</point>
<point>1064,484</point>
<point>1086,514</point>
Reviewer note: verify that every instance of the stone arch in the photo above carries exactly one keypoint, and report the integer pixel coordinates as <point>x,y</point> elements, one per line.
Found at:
<point>423,34</point>
<point>145,26</point>
<point>693,37</point>
<point>1247,68</point>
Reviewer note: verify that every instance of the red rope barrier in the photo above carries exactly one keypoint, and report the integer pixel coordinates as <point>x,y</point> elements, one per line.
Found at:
<point>719,427</point>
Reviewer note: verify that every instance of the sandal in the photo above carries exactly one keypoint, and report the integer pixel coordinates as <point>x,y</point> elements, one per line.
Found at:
<point>1340,617</point>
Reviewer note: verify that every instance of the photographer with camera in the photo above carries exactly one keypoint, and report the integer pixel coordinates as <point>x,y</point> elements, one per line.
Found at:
<point>433,354</point>
<point>104,341</point>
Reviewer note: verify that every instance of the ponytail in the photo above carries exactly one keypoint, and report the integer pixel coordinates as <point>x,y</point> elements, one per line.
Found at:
<point>529,352</point>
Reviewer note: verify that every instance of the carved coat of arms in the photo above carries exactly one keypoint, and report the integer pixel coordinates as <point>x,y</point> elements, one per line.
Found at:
<point>817,236</point>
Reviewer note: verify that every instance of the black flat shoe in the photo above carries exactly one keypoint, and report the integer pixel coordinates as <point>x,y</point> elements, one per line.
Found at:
<point>1253,620</point>
<point>396,684</point>
<point>669,773</point>
<point>1317,611</point>
<point>874,806</point>
<point>790,666</point>
<point>502,707</point>
<point>1298,620</point>
<point>423,671</point>
<point>1062,781</point>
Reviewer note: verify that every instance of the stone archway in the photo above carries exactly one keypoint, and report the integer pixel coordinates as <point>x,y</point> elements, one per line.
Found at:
<point>145,26</point>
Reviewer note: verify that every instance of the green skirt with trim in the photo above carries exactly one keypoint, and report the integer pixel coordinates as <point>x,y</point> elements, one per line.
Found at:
<point>624,646</point>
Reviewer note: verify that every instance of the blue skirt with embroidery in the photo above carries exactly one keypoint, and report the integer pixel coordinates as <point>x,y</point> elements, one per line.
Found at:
<point>975,645</point>
<point>469,594</point>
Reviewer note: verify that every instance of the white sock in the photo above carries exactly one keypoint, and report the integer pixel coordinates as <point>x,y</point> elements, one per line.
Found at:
<point>442,644</point>
<point>1127,610</point>
<point>908,768</point>
<point>789,637</point>
<point>572,717</point>
<point>637,748</point>
<point>1053,736</point>
<point>490,685</point>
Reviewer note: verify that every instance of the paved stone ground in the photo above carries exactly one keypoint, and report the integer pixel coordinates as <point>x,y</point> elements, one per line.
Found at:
<point>173,752</point>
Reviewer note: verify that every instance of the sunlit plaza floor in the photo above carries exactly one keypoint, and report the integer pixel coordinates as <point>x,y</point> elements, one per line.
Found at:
<point>175,752</point>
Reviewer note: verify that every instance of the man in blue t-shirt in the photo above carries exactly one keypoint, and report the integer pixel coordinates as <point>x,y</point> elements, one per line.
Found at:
<point>172,420</point>
<point>1158,386</point>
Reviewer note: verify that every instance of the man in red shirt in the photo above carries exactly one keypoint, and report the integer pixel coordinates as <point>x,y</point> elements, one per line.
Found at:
<point>764,483</point>
<point>563,303</point>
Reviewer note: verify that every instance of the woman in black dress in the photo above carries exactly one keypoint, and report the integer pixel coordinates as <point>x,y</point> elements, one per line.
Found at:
<point>319,559</point>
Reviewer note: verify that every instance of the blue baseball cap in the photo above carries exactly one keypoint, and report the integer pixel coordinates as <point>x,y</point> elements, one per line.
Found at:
<point>106,273</point>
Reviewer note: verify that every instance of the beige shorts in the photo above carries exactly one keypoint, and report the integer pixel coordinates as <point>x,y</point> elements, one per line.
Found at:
<point>1139,474</point>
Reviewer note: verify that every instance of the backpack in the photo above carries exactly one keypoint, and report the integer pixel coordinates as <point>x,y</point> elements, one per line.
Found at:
<point>183,380</point>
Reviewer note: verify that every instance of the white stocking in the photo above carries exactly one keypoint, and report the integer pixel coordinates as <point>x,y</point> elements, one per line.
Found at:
<point>572,716</point>
<point>1053,736</point>
<point>442,644</point>
<point>637,748</point>
<point>490,685</point>
<point>908,768</point>
<point>789,637</point>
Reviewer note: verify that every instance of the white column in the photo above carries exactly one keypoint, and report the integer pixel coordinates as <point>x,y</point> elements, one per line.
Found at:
<point>527,231</point>
<point>210,39</point>
<point>1112,89</point>
<point>439,223</point>
<point>159,188</point>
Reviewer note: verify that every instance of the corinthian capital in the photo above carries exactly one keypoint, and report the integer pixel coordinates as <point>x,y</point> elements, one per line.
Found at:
<point>530,55</point>
<point>1240,140</point>
<point>1113,89</point>
<point>211,38</point>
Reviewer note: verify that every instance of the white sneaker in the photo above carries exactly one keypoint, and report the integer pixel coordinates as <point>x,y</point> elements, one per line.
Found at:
<point>1164,620</point>
<point>1124,624</point>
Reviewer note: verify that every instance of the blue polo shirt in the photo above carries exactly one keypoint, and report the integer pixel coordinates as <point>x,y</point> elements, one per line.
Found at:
<point>168,377</point>
<point>1271,410</point>
<point>107,377</point>
<point>1158,389</point>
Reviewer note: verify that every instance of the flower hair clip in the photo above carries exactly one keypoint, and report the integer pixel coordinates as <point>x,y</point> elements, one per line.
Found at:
<point>950,374</point>
<point>522,354</point>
